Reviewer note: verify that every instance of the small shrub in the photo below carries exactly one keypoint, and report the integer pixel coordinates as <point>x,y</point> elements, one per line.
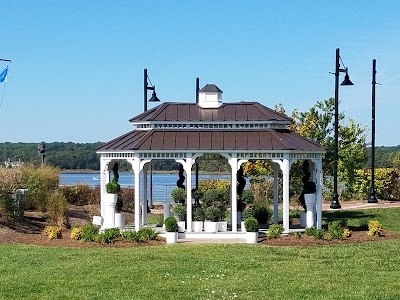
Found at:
<point>298,235</point>
<point>374,228</point>
<point>247,197</point>
<point>179,195</point>
<point>215,197</point>
<point>80,194</point>
<point>126,194</point>
<point>109,236</point>
<point>248,212</point>
<point>131,235</point>
<point>198,214</point>
<point>251,225</point>
<point>40,182</point>
<point>327,236</point>
<point>148,234</point>
<point>57,208</point>
<point>112,187</point>
<point>275,231</point>
<point>336,230</point>
<point>212,214</point>
<point>316,233</point>
<point>171,225</point>
<point>89,233</point>
<point>347,232</point>
<point>262,213</point>
<point>76,233</point>
<point>179,211</point>
<point>52,232</point>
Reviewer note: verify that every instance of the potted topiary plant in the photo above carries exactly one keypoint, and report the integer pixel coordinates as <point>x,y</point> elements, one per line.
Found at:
<point>248,212</point>
<point>223,220</point>
<point>198,219</point>
<point>179,211</point>
<point>111,198</point>
<point>179,195</point>
<point>212,215</point>
<point>308,197</point>
<point>252,227</point>
<point>171,228</point>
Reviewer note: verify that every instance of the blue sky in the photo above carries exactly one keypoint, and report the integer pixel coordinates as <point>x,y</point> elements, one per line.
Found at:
<point>77,66</point>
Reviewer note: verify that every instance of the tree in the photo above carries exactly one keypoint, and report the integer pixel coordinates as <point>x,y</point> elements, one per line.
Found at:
<point>318,125</point>
<point>396,161</point>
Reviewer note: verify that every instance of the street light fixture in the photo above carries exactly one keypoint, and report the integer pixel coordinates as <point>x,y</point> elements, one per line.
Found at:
<point>335,199</point>
<point>372,195</point>
<point>152,99</point>
<point>146,88</point>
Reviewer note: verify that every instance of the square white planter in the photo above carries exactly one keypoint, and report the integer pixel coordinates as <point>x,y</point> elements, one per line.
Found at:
<point>242,226</point>
<point>210,226</point>
<point>119,220</point>
<point>171,237</point>
<point>252,237</point>
<point>197,226</point>
<point>181,226</point>
<point>222,226</point>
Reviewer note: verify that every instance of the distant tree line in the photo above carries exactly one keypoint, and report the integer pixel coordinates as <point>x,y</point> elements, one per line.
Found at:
<point>74,156</point>
<point>384,157</point>
<point>58,154</point>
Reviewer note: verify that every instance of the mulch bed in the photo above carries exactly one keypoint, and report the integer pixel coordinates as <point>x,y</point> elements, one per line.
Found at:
<point>28,231</point>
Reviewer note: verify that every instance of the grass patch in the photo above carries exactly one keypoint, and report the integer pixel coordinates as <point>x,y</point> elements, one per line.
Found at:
<point>208,271</point>
<point>202,272</point>
<point>358,219</point>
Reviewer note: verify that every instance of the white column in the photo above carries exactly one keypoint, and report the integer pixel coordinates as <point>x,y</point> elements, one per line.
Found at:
<point>233,161</point>
<point>319,183</point>
<point>135,162</point>
<point>104,179</point>
<point>187,166</point>
<point>285,167</point>
<point>188,170</point>
<point>144,203</point>
<point>275,168</point>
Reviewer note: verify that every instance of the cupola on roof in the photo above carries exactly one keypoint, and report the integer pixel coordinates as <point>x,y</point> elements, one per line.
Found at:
<point>210,96</point>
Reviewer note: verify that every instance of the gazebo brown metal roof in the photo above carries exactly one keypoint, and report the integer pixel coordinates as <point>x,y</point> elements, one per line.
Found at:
<point>252,140</point>
<point>228,112</point>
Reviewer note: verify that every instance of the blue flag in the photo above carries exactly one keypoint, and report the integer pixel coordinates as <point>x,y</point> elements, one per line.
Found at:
<point>3,75</point>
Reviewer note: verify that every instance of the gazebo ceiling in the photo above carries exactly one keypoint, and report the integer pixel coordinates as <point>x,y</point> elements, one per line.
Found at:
<point>203,140</point>
<point>228,112</point>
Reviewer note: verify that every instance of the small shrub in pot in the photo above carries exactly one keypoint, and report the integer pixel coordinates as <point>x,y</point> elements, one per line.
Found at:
<point>198,214</point>
<point>212,214</point>
<point>251,225</point>
<point>179,211</point>
<point>171,225</point>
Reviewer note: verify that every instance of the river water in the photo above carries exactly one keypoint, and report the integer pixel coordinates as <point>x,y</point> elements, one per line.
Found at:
<point>128,180</point>
<point>162,185</point>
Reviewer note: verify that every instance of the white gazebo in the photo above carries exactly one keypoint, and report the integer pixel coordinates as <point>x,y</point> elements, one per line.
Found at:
<point>186,131</point>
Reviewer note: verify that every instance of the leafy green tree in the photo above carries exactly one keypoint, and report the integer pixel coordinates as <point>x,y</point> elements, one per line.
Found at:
<point>396,161</point>
<point>318,125</point>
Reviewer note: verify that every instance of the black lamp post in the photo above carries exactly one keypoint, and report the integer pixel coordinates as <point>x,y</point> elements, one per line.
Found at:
<point>152,99</point>
<point>335,199</point>
<point>372,195</point>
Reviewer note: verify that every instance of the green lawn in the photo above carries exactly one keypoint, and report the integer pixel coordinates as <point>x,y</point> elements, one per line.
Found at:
<point>185,271</point>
